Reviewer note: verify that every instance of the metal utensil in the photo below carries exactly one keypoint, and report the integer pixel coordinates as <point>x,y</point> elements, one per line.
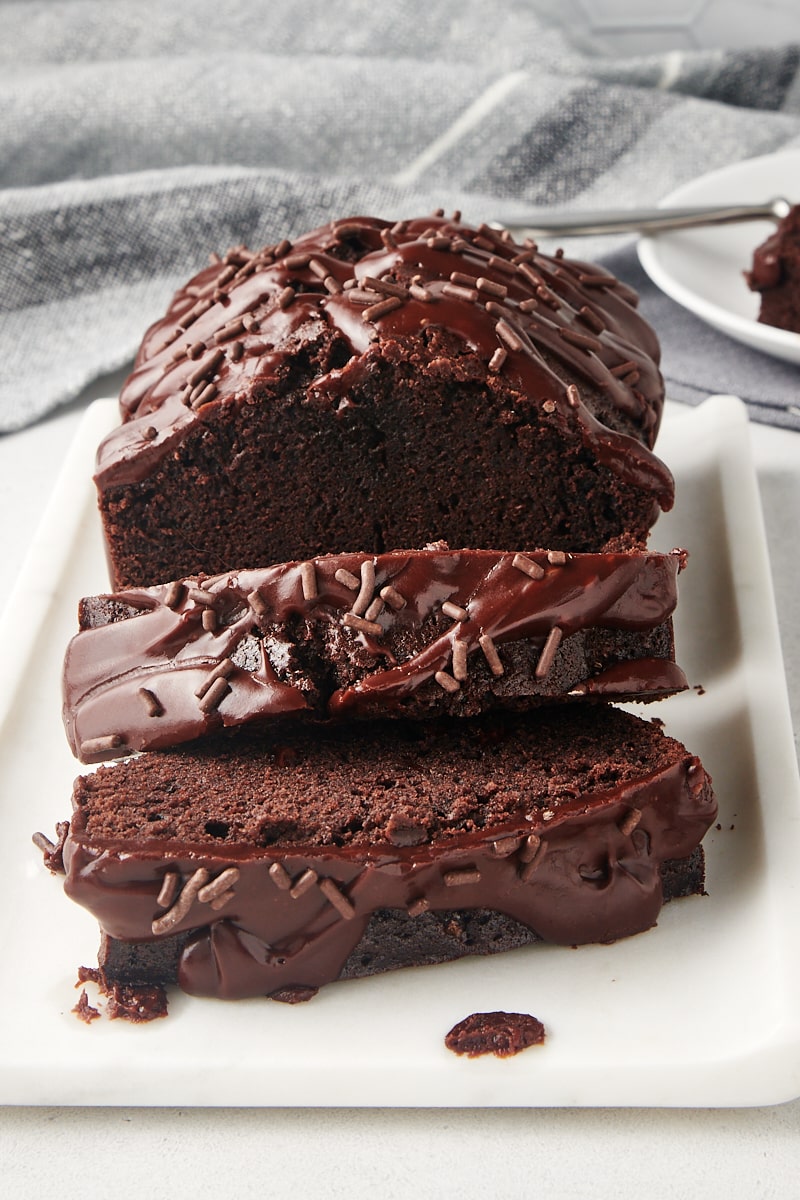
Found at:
<point>649,220</point>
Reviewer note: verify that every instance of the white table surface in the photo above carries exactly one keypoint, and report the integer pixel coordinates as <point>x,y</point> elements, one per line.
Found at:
<point>302,1153</point>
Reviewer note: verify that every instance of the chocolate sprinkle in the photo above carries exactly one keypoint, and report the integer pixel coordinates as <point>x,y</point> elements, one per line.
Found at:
<point>591,318</point>
<point>201,596</point>
<point>548,654</point>
<point>459,876</point>
<point>490,653</point>
<point>630,821</point>
<point>352,621</point>
<point>386,287</point>
<point>258,603</point>
<point>460,660</point>
<point>308,580</point>
<point>527,869</point>
<point>303,883</point>
<point>221,671</point>
<point>367,587</point>
<point>347,579</point>
<point>455,611</point>
<point>180,909</point>
<point>152,704</point>
<point>331,892</point>
<point>173,595</point>
<point>280,876</point>
<point>530,847</point>
<point>379,310</point>
<point>220,886</point>
<point>169,888</point>
<point>208,393</point>
<point>527,566</point>
<point>494,289</point>
<point>447,681</point>
<point>508,334</point>
<point>392,597</point>
<point>207,367</point>
<point>503,847</point>
<point>583,341</point>
<point>99,745</point>
<point>215,695</point>
<point>456,292</point>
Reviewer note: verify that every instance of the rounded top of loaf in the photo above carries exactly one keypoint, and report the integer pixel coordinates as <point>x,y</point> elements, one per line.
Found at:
<point>563,334</point>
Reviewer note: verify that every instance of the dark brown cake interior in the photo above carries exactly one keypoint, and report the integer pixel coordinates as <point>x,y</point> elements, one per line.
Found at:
<point>358,785</point>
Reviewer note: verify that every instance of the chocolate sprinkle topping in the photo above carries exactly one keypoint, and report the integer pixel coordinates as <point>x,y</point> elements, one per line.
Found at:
<point>215,695</point>
<point>362,624</point>
<point>152,704</point>
<point>448,682</point>
<point>527,566</point>
<point>489,649</point>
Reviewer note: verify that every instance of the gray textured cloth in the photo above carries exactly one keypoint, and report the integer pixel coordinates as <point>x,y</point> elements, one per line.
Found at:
<point>137,136</point>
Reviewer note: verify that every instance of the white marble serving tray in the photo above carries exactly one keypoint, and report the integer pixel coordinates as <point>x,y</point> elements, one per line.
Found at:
<point>703,1010</point>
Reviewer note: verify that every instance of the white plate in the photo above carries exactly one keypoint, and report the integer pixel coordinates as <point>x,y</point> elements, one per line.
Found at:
<point>703,1010</point>
<point>702,269</point>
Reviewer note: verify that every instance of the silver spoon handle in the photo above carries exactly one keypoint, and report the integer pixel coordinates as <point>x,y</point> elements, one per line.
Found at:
<point>649,220</point>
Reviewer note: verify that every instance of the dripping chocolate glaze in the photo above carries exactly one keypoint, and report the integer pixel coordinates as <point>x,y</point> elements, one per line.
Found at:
<point>586,871</point>
<point>239,320</point>
<point>402,620</point>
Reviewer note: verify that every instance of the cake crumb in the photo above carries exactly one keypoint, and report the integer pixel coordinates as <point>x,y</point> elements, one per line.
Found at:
<point>84,1011</point>
<point>129,1002</point>
<point>500,1033</point>
<point>53,852</point>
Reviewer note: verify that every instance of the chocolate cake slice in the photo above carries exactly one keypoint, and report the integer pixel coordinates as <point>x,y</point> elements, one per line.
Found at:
<point>374,386</point>
<point>241,867</point>
<point>414,633</point>
<point>775,274</point>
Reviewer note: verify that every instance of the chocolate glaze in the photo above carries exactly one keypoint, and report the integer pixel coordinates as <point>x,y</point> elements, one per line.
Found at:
<point>594,877</point>
<point>574,315</point>
<point>136,681</point>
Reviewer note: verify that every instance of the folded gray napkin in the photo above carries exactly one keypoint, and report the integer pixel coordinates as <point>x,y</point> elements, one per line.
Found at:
<point>136,137</point>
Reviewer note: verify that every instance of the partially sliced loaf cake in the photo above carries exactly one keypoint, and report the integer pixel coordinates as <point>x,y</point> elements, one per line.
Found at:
<point>374,386</point>
<point>413,633</point>
<point>271,866</point>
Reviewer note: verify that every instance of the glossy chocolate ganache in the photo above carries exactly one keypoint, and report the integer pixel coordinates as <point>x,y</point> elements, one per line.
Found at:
<point>410,633</point>
<point>370,386</point>
<point>563,823</point>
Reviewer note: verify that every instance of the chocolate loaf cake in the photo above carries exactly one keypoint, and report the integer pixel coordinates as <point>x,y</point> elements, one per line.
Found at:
<point>411,633</point>
<point>374,386</point>
<point>271,866</point>
<point>775,274</point>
